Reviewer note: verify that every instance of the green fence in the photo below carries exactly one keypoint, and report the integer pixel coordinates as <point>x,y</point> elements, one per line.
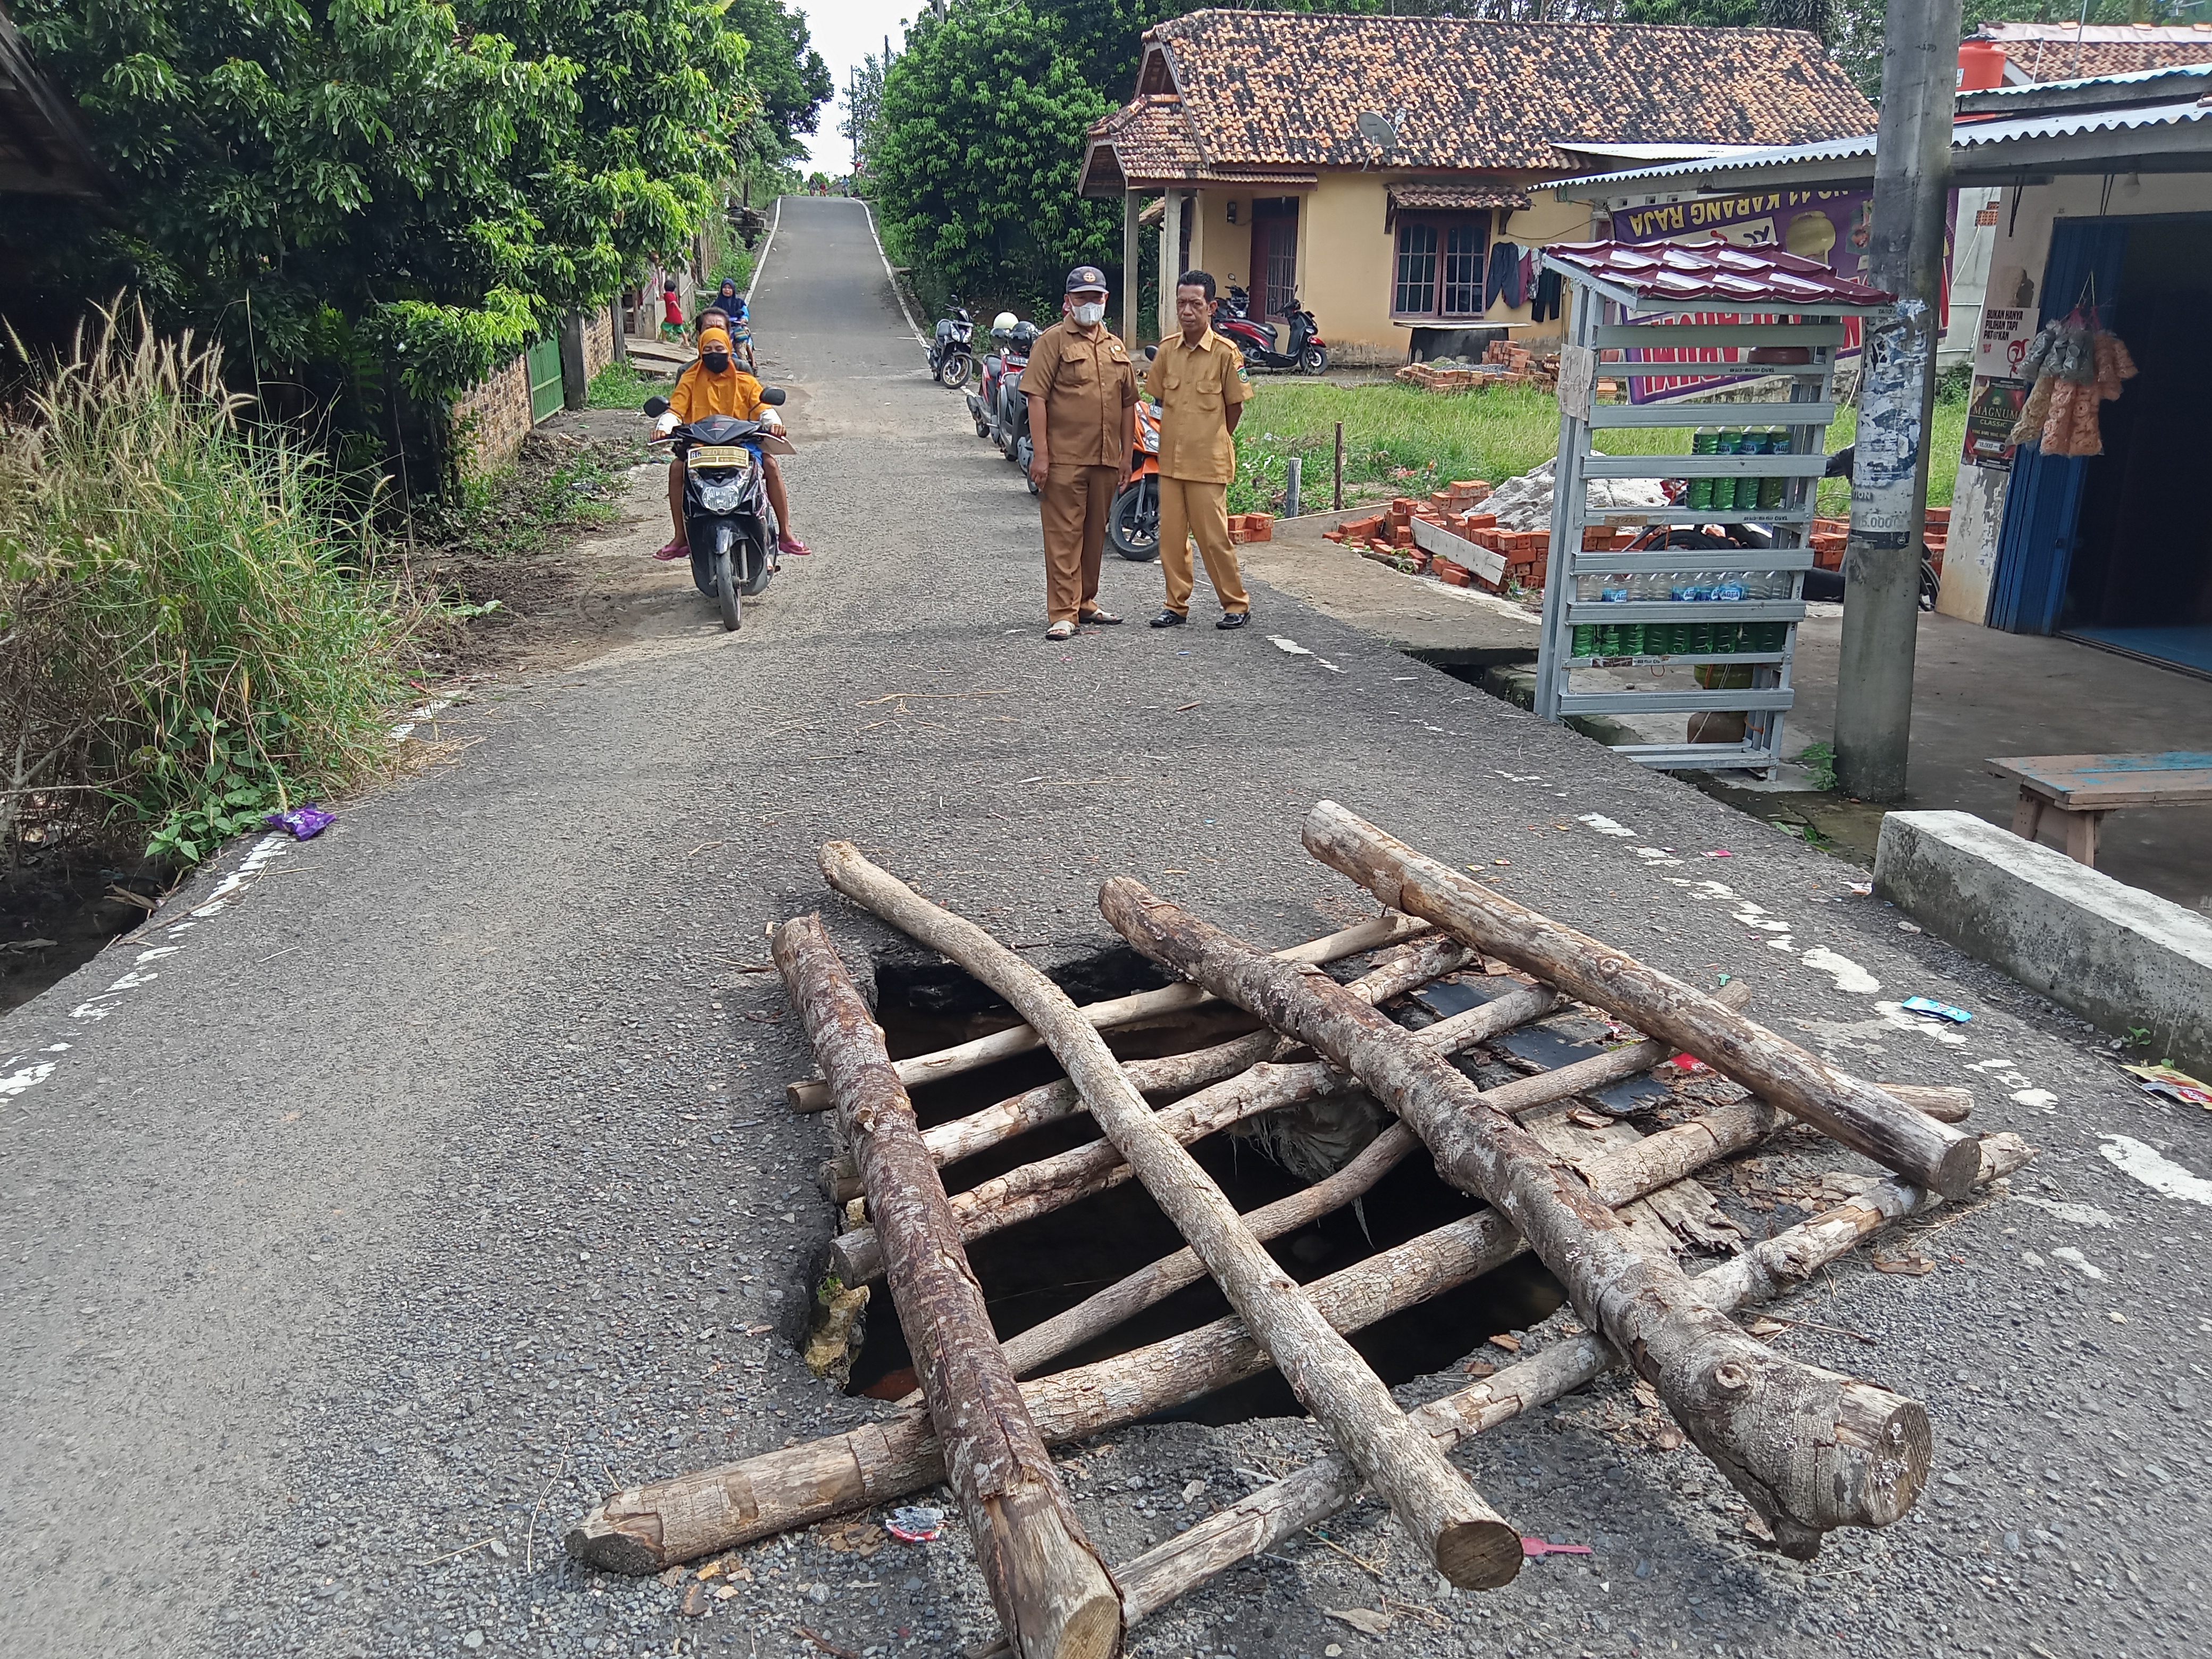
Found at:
<point>544,361</point>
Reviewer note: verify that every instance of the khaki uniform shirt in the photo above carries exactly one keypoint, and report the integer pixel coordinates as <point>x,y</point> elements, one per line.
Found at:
<point>1087,384</point>
<point>1196,386</point>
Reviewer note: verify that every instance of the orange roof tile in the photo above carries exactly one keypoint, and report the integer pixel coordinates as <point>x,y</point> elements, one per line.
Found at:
<point>1286,89</point>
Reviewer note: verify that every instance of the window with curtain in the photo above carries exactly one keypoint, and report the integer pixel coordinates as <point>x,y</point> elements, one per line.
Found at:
<point>1440,258</point>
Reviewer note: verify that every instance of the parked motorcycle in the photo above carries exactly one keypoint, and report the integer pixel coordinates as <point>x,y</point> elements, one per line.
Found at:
<point>1308,353</point>
<point>1133,524</point>
<point>951,352</point>
<point>1010,416</point>
<point>727,520</point>
<point>983,402</point>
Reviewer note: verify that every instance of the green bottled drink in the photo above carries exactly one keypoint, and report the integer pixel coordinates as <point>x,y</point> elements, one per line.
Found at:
<point>1731,443</point>
<point>1705,441</point>
<point>1769,490</point>
<point>1585,640</point>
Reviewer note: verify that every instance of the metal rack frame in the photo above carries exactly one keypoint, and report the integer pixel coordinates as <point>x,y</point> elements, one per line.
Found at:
<point>1599,322</point>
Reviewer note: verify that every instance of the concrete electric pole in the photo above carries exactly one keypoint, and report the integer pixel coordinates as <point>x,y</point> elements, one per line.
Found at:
<point>1897,396</point>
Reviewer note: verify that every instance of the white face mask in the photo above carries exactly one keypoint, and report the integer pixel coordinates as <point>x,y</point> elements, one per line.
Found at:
<point>1091,311</point>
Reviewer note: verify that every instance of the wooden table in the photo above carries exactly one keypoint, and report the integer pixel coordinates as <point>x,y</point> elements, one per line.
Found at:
<point>2087,787</point>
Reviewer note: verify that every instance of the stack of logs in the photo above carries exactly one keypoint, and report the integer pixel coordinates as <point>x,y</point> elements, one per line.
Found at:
<point>1811,1449</point>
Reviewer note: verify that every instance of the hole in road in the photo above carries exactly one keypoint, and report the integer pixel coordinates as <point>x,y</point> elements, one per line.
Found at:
<point>1041,1268</point>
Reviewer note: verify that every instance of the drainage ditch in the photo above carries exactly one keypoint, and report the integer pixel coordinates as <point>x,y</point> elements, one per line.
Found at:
<point>1041,1268</point>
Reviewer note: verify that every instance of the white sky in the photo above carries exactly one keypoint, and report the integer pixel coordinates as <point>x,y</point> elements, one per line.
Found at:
<point>844,32</point>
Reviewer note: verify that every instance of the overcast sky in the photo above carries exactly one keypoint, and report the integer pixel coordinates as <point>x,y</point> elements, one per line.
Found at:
<point>845,32</point>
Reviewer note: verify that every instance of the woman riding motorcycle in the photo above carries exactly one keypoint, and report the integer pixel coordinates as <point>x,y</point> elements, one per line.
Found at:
<point>714,385</point>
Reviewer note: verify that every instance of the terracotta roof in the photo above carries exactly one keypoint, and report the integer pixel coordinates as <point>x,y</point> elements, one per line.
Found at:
<point>2061,51</point>
<point>1286,89</point>
<point>1152,142</point>
<point>1743,278</point>
<point>1416,193</point>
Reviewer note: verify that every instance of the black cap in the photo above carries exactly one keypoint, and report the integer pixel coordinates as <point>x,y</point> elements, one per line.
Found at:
<point>1085,278</point>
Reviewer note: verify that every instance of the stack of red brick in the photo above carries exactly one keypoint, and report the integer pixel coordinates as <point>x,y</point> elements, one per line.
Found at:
<point>1829,536</point>
<point>1523,366</point>
<point>1251,527</point>
<point>1389,537</point>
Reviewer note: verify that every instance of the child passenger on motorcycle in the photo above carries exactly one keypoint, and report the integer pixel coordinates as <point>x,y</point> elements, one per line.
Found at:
<point>714,385</point>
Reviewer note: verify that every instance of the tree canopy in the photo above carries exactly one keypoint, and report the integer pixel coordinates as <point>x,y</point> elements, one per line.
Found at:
<point>342,182</point>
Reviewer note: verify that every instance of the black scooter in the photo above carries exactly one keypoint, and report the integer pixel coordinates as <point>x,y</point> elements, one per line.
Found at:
<point>1255,338</point>
<point>951,352</point>
<point>727,520</point>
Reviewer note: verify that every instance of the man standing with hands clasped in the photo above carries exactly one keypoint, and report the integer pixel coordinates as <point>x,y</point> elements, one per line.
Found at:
<point>1082,395</point>
<point>1199,380</point>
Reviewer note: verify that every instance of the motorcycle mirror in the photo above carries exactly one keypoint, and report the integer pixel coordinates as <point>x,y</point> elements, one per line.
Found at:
<point>656,407</point>
<point>772,395</point>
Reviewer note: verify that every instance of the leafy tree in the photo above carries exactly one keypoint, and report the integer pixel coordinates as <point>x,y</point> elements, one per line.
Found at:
<point>789,75</point>
<point>979,147</point>
<point>352,192</point>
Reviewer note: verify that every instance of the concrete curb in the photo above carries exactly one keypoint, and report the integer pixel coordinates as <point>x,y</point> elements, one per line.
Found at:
<point>2118,956</point>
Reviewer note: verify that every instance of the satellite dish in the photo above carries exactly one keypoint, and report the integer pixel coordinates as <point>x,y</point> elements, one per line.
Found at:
<point>1378,131</point>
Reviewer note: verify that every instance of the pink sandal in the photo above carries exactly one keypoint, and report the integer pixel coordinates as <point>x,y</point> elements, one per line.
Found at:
<point>791,545</point>
<point>671,550</point>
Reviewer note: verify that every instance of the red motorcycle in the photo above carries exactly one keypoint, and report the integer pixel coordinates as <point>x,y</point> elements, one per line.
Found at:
<point>1307,352</point>
<point>1133,524</point>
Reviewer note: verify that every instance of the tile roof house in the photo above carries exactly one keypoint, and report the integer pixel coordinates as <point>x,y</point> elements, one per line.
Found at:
<point>1375,164</point>
<point>2068,52</point>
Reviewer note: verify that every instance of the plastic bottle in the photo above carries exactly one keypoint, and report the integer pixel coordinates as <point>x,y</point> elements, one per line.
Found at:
<point>1770,490</point>
<point>1705,441</point>
<point>1585,640</point>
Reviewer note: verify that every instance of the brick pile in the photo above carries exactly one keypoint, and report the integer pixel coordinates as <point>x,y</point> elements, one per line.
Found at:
<point>1830,535</point>
<point>1387,538</point>
<point>1251,527</point>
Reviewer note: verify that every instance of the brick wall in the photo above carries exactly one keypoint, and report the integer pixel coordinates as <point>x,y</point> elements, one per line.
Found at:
<point>493,417</point>
<point>598,340</point>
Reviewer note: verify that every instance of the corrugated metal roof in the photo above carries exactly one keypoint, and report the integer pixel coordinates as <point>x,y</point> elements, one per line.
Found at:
<point>1741,278</point>
<point>1972,144</point>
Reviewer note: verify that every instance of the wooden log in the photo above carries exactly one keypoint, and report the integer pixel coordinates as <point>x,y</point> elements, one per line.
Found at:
<point>809,1094</point>
<point>1047,1581</point>
<point>647,1527</point>
<point>1850,1109</point>
<point>1811,1449</point>
<point>1415,964</point>
<point>1471,1545</point>
<point>1052,1183</point>
<point>1095,1315</point>
<point>1266,1518</point>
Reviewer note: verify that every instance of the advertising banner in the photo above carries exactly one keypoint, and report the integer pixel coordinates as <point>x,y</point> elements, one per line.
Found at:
<point>1832,226</point>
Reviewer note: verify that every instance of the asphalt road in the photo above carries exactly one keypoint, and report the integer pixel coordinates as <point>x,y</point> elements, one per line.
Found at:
<point>361,1230</point>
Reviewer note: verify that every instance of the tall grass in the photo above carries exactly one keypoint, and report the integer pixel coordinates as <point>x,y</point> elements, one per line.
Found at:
<point>195,628</point>
<point>1401,440</point>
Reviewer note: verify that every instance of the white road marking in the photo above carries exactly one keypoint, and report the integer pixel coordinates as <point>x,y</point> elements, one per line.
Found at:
<point>2081,1215</point>
<point>1847,974</point>
<point>2160,1175</point>
<point>913,327</point>
<point>1606,826</point>
<point>2036,1100</point>
<point>1297,650</point>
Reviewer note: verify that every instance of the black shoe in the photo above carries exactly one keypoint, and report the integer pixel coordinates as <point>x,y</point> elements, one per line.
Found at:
<point>1235,619</point>
<point>1170,619</point>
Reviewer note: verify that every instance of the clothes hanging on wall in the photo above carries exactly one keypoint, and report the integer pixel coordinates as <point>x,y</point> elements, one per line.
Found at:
<point>1502,280</point>
<point>1546,306</point>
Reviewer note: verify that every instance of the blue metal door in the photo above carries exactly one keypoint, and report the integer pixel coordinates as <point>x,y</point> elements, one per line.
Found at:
<point>2035,549</point>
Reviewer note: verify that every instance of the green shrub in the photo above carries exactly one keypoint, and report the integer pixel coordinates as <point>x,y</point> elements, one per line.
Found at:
<point>195,628</point>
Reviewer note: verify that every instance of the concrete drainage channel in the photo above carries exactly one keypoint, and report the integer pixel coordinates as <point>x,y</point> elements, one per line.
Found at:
<point>1037,1268</point>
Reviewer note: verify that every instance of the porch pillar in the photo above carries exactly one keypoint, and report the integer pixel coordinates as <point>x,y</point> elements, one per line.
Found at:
<point>1170,259</point>
<point>1130,282</point>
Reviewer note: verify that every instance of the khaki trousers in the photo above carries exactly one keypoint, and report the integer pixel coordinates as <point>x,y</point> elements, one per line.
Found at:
<point>1074,503</point>
<point>1191,510</point>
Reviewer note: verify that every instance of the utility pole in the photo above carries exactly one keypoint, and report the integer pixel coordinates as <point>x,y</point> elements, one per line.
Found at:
<point>1897,396</point>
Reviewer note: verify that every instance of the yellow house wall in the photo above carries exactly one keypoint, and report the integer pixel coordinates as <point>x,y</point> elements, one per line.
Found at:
<point>1217,245</point>
<point>1344,264</point>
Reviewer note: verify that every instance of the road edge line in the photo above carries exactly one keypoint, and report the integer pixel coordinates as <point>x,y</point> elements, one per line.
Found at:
<point>891,277</point>
<point>760,263</point>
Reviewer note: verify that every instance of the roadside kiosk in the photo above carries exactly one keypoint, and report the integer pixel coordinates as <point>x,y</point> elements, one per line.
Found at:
<point>1675,314</point>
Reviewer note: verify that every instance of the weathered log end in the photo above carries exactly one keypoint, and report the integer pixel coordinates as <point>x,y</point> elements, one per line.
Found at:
<point>1080,1618</point>
<point>809,1094</point>
<point>620,1535</point>
<point>1961,1167</point>
<point>1812,1450</point>
<point>1483,1554</point>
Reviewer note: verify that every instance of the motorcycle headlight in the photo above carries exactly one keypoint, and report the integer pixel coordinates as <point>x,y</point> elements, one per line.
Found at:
<point>722,497</point>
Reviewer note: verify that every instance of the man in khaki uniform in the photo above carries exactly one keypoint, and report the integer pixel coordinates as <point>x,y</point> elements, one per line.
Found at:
<point>1199,380</point>
<point>1082,395</point>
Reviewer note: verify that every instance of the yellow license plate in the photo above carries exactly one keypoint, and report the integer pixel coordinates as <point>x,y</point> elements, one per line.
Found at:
<point>721,455</point>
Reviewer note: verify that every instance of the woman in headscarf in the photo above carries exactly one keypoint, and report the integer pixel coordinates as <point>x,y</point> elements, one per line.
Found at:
<point>713,384</point>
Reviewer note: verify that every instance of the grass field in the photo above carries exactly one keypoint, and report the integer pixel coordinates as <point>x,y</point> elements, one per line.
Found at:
<point>1401,441</point>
